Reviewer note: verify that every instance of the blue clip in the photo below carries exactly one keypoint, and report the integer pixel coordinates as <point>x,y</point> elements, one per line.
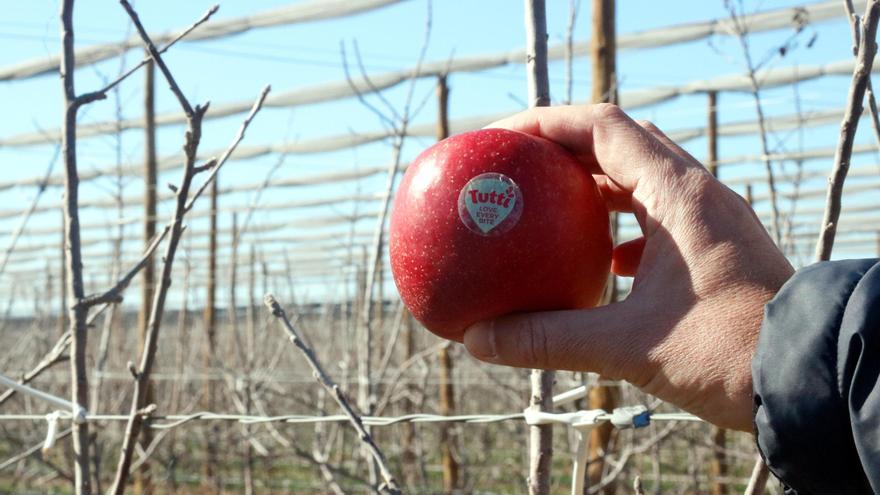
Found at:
<point>642,420</point>
<point>631,417</point>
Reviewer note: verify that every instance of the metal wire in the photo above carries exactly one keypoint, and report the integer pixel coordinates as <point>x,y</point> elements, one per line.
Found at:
<point>162,422</point>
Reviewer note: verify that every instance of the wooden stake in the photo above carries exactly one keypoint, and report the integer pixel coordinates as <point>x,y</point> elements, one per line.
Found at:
<point>603,54</point>
<point>142,485</point>
<point>62,280</point>
<point>211,479</point>
<point>712,133</point>
<point>718,461</point>
<point>447,388</point>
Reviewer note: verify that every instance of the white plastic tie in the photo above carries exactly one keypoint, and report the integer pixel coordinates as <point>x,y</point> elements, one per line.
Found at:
<point>535,417</point>
<point>583,422</point>
<point>79,413</point>
<point>52,431</point>
<point>630,417</point>
<point>570,396</point>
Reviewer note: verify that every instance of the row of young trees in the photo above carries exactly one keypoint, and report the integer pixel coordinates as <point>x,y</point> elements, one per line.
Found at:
<point>241,359</point>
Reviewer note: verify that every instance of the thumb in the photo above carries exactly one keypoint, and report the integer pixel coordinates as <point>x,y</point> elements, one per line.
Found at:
<point>594,340</point>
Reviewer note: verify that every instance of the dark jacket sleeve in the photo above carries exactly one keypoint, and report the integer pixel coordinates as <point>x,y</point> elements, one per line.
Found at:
<point>815,371</point>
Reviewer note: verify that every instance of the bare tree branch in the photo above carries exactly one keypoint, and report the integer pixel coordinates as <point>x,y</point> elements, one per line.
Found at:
<point>742,35</point>
<point>258,104</point>
<point>26,215</point>
<point>573,8</point>
<point>843,153</point>
<point>154,54</point>
<point>114,294</point>
<point>856,28</point>
<point>101,93</point>
<point>390,485</point>
<point>53,357</point>
<point>139,408</point>
<point>758,479</point>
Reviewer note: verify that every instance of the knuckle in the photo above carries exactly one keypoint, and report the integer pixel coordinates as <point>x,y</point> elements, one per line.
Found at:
<point>648,125</point>
<point>609,111</point>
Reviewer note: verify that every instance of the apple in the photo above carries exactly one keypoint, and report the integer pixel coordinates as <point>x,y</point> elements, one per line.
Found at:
<point>492,222</point>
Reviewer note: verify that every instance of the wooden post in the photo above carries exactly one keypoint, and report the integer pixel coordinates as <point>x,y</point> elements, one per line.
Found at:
<point>718,461</point>
<point>712,133</point>
<point>211,479</point>
<point>442,108</point>
<point>603,53</point>
<point>541,397</point>
<point>62,306</point>
<point>142,485</point>
<point>48,293</point>
<point>409,456</point>
<point>250,357</point>
<point>447,390</point>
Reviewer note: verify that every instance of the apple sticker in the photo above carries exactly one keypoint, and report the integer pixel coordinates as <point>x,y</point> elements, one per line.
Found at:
<point>490,204</point>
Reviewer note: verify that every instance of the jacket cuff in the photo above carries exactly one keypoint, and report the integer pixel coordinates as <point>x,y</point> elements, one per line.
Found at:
<point>802,421</point>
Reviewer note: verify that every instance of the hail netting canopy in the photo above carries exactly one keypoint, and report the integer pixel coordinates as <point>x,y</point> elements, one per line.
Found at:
<point>311,217</point>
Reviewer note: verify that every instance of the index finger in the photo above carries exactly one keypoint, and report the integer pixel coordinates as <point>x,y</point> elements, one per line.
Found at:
<point>608,141</point>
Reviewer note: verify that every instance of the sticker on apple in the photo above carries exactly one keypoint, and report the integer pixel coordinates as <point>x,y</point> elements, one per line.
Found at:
<point>490,204</point>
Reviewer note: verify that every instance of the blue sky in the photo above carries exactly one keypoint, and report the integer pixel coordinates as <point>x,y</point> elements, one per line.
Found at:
<point>289,57</point>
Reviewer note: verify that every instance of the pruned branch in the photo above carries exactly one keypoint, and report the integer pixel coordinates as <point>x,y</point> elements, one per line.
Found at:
<point>26,215</point>
<point>139,407</point>
<point>54,356</point>
<point>101,93</point>
<point>859,85</point>
<point>155,55</point>
<point>758,479</point>
<point>741,30</point>
<point>114,294</point>
<point>390,485</point>
<point>258,104</point>
<point>856,28</point>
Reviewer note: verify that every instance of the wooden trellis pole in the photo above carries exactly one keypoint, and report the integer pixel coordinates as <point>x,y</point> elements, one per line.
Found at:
<point>148,281</point>
<point>718,461</point>
<point>211,340</point>
<point>712,133</point>
<point>447,388</point>
<point>62,280</point>
<point>603,55</point>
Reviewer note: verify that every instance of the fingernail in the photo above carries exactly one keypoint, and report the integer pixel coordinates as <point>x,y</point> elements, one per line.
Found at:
<point>479,340</point>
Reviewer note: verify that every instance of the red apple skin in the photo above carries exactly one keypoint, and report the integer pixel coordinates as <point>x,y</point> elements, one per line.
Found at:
<point>556,256</point>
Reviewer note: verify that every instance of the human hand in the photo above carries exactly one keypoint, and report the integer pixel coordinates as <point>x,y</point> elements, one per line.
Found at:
<point>704,269</point>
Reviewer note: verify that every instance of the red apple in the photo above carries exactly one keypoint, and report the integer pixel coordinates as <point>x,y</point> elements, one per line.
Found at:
<point>492,222</point>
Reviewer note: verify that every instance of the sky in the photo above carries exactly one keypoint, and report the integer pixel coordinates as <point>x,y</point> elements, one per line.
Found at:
<point>389,38</point>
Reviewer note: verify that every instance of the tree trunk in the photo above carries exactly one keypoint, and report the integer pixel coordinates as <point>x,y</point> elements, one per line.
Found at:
<point>541,397</point>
